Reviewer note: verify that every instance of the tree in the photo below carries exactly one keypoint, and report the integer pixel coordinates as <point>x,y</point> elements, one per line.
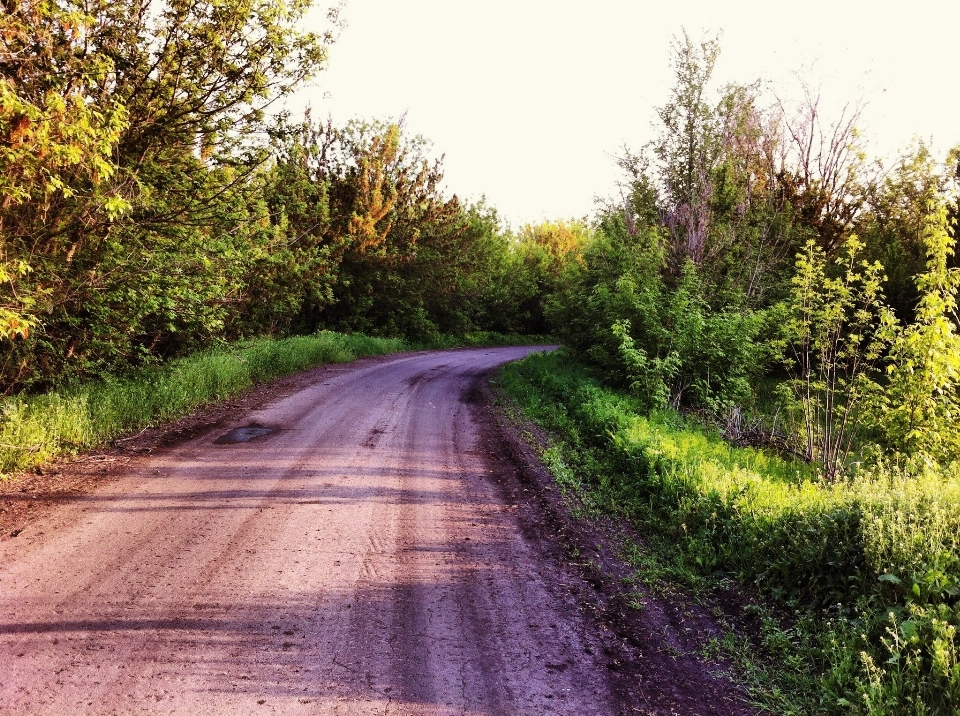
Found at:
<point>824,177</point>
<point>895,220</point>
<point>713,175</point>
<point>836,332</point>
<point>56,143</point>
<point>387,205</point>
<point>139,115</point>
<point>543,256</point>
<point>687,150</point>
<point>291,267</point>
<point>919,411</point>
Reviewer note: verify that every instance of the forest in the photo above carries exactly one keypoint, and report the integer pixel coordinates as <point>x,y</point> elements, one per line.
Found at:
<point>153,205</point>
<point>760,363</point>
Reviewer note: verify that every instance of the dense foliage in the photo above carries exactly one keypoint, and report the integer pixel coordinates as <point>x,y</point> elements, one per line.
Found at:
<point>127,172</point>
<point>760,276</point>
<point>749,249</point>
<point>150,206</point>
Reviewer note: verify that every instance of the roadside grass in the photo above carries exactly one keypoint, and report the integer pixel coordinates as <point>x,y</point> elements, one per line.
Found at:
<point>861,579</point>
<point>35,429</point>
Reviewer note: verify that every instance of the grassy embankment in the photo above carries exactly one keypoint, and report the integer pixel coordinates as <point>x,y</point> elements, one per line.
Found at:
<point>37,428</point>
<point>867,570</point>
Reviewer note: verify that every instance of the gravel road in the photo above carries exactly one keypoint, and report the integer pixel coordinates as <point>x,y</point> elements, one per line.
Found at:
<point>357,560</point>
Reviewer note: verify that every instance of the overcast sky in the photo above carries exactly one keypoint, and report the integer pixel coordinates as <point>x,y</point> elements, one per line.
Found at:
<point>530,101</point>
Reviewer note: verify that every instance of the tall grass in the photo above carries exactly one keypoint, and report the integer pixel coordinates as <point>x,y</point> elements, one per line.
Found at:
<point>35,429</point>
<point>874,563</point>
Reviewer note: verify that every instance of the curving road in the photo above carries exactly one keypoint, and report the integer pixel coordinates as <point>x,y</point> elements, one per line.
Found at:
<point>357,560</point>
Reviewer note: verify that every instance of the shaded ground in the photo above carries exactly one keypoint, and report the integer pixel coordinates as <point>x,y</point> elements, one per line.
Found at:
<point>391,548</point>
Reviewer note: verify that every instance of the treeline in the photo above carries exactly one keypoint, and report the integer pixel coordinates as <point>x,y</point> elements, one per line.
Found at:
<point>760,268</point>
<point>150,204</point>
<point>763,374</point>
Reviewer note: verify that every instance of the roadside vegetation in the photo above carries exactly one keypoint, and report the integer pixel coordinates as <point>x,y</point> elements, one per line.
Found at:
<point>762,374</point>
<point>92,413</point>
<point>761,366</point>
<point>864,569</point>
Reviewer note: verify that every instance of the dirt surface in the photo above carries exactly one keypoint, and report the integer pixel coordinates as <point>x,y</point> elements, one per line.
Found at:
<point>389,547</point>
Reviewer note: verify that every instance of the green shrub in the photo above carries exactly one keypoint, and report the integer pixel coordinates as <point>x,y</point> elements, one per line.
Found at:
<point>662,339</point>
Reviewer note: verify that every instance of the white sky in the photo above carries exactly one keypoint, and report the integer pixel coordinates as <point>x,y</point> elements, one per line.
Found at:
<point>529,101</point>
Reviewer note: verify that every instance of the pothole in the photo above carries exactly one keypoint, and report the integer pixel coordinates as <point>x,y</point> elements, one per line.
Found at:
<point>244,434</point>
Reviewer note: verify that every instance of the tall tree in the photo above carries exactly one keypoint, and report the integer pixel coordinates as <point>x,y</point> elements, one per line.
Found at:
<point>57,139</point>
<point>688,148</point>
<point>137,235</point>
<point>826,171</point>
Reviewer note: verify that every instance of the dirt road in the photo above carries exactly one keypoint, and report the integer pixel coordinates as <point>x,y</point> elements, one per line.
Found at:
<point>358,560</point>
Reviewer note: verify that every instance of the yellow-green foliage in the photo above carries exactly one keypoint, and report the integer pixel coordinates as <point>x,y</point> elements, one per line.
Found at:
<point>34,429</point>
<point>917,412</point>
<point>885,543</point>
<point>909,521</point>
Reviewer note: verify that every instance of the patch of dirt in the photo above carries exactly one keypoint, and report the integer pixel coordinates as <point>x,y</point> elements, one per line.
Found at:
<point>653,643</point>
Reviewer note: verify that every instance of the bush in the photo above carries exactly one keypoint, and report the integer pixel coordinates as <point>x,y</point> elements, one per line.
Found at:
<point>663,340</point>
